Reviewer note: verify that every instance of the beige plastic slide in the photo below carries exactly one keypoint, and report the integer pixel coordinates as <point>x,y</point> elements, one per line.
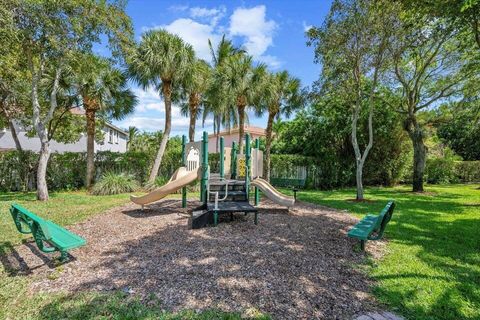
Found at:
<point>270,192</point>
<point>180,178</point>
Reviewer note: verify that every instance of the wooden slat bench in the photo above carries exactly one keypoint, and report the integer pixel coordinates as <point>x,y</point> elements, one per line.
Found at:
<point>48,236</point>
<point>372,227</point>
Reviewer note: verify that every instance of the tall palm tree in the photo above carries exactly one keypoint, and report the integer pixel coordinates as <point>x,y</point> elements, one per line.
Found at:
<point>243,84</point>
<point>281,95</point>
<point>132,134</point>
<point>161,61</point>
<point>101,88</point>
<point>224,113</point>
<point>195,85</point>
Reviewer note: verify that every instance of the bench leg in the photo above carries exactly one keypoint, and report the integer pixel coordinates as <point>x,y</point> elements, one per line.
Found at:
<point>63,256</point>
<point>215,218</point>
<point>231,216</point>
<point>256,218</point>
<point>362,244</point>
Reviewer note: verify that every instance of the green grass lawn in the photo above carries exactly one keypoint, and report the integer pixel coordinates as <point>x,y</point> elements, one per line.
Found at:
<point>431,269</point>
<point>432,266</point>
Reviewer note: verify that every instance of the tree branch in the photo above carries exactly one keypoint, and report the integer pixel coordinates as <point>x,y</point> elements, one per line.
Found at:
<point>53,95</point>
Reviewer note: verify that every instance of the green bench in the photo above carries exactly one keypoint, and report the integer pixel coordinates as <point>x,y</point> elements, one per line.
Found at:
<point>48,236</point>
<point>372,227</point>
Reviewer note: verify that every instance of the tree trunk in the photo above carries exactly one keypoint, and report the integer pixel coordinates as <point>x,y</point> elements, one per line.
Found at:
<point>167,94</point>
<point>6,112</point>
<point>14,135</point>
<point>241,125</point>
<point>42,189</point>
<point>359,178</point>
<point>419,155</point>
<point>193,105</point>
<point>90,114</point>
<point>216,131</point>
<point>268,145</point>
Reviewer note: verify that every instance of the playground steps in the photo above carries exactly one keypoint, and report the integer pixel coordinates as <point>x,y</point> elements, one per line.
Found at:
<point>236,201</point>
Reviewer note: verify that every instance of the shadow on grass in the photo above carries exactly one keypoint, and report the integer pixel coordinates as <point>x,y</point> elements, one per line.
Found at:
<point>119,305</point>
<point>446,230</point>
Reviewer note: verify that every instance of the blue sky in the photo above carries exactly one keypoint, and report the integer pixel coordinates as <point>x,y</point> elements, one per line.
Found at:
<point>272,31</point>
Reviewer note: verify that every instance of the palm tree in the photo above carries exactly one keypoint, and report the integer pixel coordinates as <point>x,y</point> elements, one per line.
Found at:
<point>281,95</point>
<point>161,60</point>
<point>195,85</point>
<point>224,113</point>
<point>101,88</point>
<point>243,84</point>
<point>132,134</point>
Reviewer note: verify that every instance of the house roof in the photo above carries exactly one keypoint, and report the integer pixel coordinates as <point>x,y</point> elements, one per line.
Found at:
<point>80,112</point>
<point>248,129</point>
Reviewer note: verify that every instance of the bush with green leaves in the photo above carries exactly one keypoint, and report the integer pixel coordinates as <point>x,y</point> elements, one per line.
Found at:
<point>441,169</point>
<point>159,181</point>
<point>467,171</point>
<point>114,183</point>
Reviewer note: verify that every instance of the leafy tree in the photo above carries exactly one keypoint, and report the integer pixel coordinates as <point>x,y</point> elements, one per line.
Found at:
<point>161,61</point>
<point>463,15</point>
<point>459,127</point>
<point>242,83</point>
<point>281,96</point>
<point>352,47</point>
<point>195,85</point>
<point>224,113</point>
<point>101,88</point>
<point>428,69</point>
<point>132,135</point>
<point>49,33</point>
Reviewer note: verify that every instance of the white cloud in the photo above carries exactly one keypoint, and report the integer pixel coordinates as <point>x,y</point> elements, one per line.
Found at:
<point>150,114</point>
<point>306,26</point>
<point>202,24</point>
<point>195,33</point>
<point>252,25</point>
<point>176,8</point>
<point>213,15</point>
<point>271,61</point>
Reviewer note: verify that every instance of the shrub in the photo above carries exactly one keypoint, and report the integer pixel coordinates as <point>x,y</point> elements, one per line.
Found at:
<point>467,171</point>
<point>112,183</point>
<point>440,170</point>
<point>159,181</point>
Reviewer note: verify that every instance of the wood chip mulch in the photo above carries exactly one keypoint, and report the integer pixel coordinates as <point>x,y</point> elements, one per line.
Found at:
<point>292,265</point>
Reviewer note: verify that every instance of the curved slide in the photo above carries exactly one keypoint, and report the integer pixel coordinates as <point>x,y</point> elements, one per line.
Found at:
<point>270,192</point>
<point>180,178</point>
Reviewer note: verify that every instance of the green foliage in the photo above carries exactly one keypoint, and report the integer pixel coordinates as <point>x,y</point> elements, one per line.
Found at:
<point>468,171</point>
<point>441,170</point>
<point>159,181</point>
<point>114,183</point>
<point>460,129</point>
<point>323,133</point>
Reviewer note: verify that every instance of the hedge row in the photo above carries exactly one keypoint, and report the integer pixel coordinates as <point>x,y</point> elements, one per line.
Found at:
<point>67,171</point>
<point>329,175</point>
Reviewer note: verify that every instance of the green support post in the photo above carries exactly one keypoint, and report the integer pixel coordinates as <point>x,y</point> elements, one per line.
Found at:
<point>222,159</point>
<point>257,193</point>
<point>234,160</point>
<point>247,165</point>
<point>204,180</point>
<point>184,163</point>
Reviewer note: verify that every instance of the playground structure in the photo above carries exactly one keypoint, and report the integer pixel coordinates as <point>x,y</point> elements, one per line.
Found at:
<point>225,192</point>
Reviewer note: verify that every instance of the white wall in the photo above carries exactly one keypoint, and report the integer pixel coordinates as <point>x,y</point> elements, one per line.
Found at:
<point>33,144</point>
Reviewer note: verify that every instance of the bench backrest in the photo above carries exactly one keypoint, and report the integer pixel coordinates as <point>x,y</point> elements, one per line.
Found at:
<point>23,218</point>
<point>28,222</point>
<point>383,218</point>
